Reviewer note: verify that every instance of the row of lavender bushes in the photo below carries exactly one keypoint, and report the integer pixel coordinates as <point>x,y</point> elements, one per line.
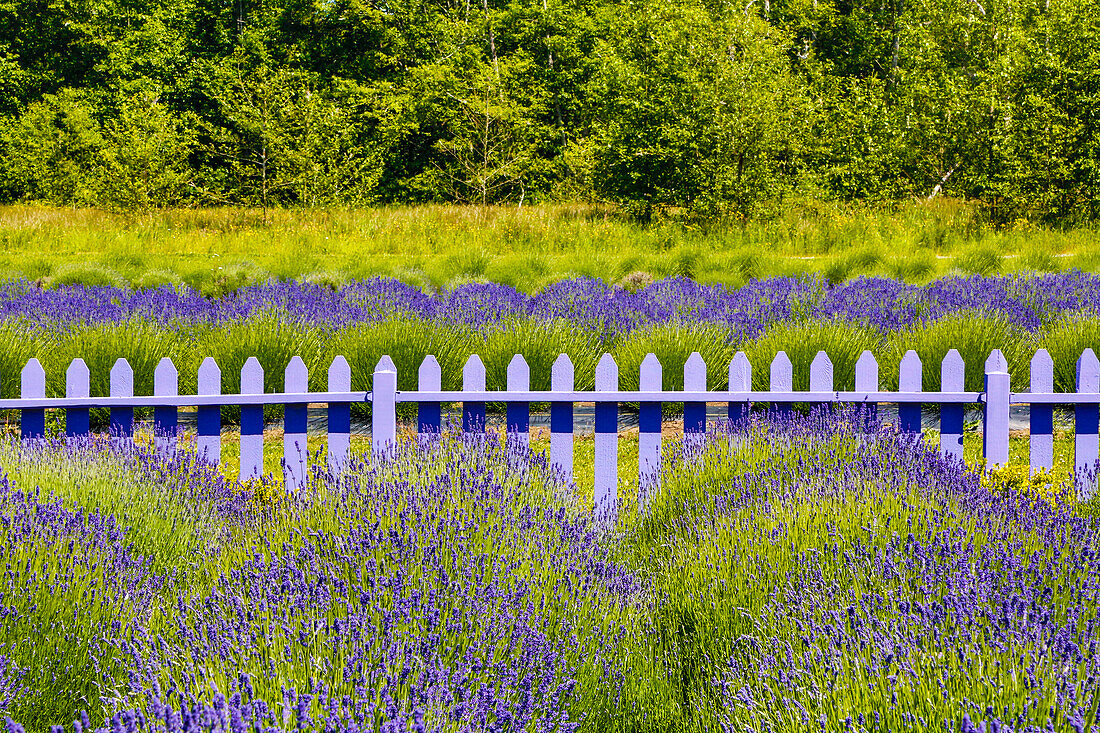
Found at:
<point>583,318</point>
<point>813,578</point>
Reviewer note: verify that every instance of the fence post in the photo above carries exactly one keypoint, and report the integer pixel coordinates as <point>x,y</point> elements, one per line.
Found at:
<point>77,384</point>
<point>122,418</point>
<point>997,396</point>
<point>1086,421</point>
<point>607,437</point>
<point>867,381</point>
<point>952,379</point>
<point>252,421</point>
<point>209,439</point>
<point>1041,417</point>
<point>32,422</point>
<point>650,379</point>
<point>910,379</point>
<point>429,415</point>
<point>561,416</point>
<point>782,380</point>
<point>384,408</point>
<point>166,383</point>
<point>295,425</point>
<point>339,417</point>
<point>473,380</point>
<point>740,377</point>
<point>695,413</point>
<point>518,424</point>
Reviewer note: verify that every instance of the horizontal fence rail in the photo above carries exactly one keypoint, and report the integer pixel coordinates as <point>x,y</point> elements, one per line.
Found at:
<point>951,397</point>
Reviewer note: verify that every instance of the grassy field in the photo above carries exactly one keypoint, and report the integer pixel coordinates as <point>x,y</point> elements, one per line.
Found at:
<point>217,250</point>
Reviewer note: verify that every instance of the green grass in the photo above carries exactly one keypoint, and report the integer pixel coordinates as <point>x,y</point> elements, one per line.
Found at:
<point>219,250</point>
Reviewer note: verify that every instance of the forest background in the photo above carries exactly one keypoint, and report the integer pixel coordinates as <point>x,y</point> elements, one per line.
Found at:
<point>705,109</point>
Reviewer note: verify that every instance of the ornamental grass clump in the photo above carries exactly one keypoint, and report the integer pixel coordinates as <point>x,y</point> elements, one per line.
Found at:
<point>1066,340</point>
<point>843,341</point>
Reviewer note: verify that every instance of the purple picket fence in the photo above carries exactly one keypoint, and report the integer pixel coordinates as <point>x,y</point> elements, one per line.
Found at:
<point>996,400</point>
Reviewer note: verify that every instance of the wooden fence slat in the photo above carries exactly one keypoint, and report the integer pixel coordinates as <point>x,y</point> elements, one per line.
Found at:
<point>295,425</point>
<point>209,439</point>
<point>695,413</point>
<point>1086,420</point>
<point>384,408</point>
<point>429,415</point>
<point>77,384</point>
<point>952,379</point>
<point>997,405</point>
<point>782,379</point>
<point>339,417</point>
<point>122,418</point>
<point>473,380</point>
<point>252,421</point>
<point>32,383</point>
<point>866,380</point>
<point>561,416</point>
<point>821,374</point>
<point>607,437</point>
<point>1041,417</point>
<point>518,424</point>
<point>650,378</point>
<point>166,383</point>
<point>910,379</point>
<point>740,380</point>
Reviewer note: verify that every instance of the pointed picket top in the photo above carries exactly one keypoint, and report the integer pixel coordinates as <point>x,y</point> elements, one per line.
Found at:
<point>210,377</point>
<point>122,379</point>
<point>1042,372</point>
<point>782,379</point>
<point>166,378</point>
<point>1088,373</point>
<point>996,362</point>
<point>561,374</point>
<point>607,374</point>
<point>385,364</point>
<point>953,372</point>
<point>252,377</point>
<point>821,373</point>
<point>909,373</point>
<point>695,373</point>
<point>339,375</point>
<point>473,374</point>
<point>650,374</point>
<point>740,373</point>
<point>430,375</point>
<point>77,379</point>
<point>866,373</point>
<point>296,376</point>
<point>519,374</point>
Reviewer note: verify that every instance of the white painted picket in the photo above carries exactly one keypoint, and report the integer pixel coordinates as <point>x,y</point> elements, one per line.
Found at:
<point>996,400</point>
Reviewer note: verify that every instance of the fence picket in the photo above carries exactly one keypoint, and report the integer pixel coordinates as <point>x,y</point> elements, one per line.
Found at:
<point>32,383</point>
<point>77,384</point>
<point>607,436</point>
<point>122,418</point>
<point>518,425</point>
<point>166,383</point>
<point>740,381</point>
<point>209,439</point>
<point>1086,420</point>
<point>429,415</point>
<point>910,380</point>
<point>996,413</point>
<point>339,417</point>
<point>821,375</point>
<point>695,413</point>
<point>952,379</point>
<point>782,379</point>
<point>650,379</point>
<point>252,421</point>
<point>473,380</point>
<point>295,425</point>
<point>866,380</point>
<point>561,416</point>
<point>383,408</point>
<point>1041,417</point>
